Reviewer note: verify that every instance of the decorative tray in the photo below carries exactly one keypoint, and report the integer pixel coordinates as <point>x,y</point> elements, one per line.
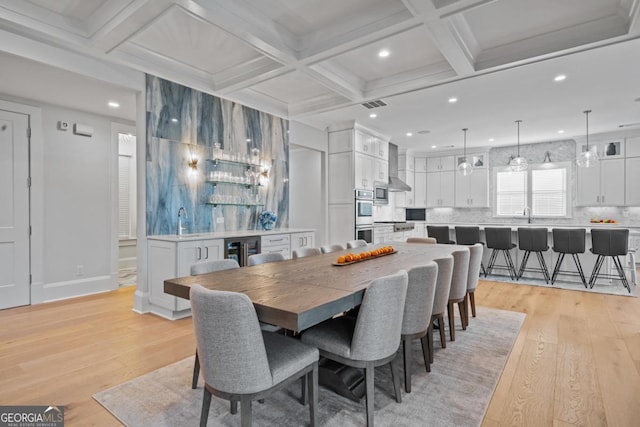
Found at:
<point>362,260</point>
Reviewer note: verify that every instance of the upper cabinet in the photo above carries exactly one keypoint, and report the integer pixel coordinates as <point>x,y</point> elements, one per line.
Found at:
<point>381,149</point>
<point>602,184</point>
<point>365,143</point>
<point>420,164</point>
<point>472,190</point>
<point>478,160</point>
<point>439,164</point>
<point>632,172</point>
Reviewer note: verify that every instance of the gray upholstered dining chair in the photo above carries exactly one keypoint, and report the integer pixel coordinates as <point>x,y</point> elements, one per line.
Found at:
<point>458,290</point>
<point>331,248</point>
<point>265,258</point>
<point>440,233</point>
<point>430,240</point>
<point>370,340</point>
<point>352,244</point>
<point>305,252</point>
<point>204,268</point>
<point>242,363</point>
<point>443,286</point>
<point>475,266</point>
<point>416,322</point>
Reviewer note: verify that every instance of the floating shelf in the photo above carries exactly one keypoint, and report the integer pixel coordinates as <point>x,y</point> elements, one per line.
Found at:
<point>233,162</point>
<point>234,204</point>
<point>216,182</point>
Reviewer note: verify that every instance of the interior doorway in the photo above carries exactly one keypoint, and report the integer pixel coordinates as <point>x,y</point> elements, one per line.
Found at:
<point>127,225</point>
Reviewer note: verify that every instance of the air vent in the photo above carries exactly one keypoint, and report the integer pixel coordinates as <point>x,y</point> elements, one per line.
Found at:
<point>424,132</point>
<point>628,125</point>
<point>374,104</point>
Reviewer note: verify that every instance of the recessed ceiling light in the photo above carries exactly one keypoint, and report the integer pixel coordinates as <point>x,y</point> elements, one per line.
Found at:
<point>113,104</point>
<point>434,146</point>
<point>409,134</point>
<point>560,131</point>
<point>248,139</point>
<point>373,115</point>
<point>559,78</point>
<point>453,100</point>
<point>383,53</point>
<point>491,139</point>
<point>174,120</point>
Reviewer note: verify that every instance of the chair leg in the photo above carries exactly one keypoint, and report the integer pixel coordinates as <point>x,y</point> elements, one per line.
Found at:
<point>395,377</point>
<point>472,300</point>
<point>452,326</point>
<point>426,350</point>
<point>245,412</point>
<point>482,269</point>
<point>523,264</point>
<point>462,308</point>
<point>621,273</point>
<point>492,261</point>
<point>304,397</point>
<point>543,266</point>
<point>406,351</point>
<point>368,379</point>
<point>443,339</point>
<point>510,266</point>
<point>576,260</point>
<point>196,372</point>
<point>596,271</point>
<point>234,407</point>
<point>556,269</point>
<point>206,404</point>
<point>312,382</point>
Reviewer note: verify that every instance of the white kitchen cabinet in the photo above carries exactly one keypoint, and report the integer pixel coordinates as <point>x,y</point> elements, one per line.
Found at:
<point>364,171</point>
<point>632,181</point>
<point>632,146</point>
<point>302,240</point>
<point>342,223</point>
<point>341,141</point>
<point>276,243</point>
<point>472,190</point>
<point>440,189</point>
<point>341,177</point>
<point>381,149</point>
<point>406,162</point>
<point>602,184</point>
<point>168,260</point>
<point>420,164</point>
<point>381,170</point>
<point>365,143</point>
<point>382,234</point>
<point>405,199</point>
<point>446,163</point>
<point>420,189</point>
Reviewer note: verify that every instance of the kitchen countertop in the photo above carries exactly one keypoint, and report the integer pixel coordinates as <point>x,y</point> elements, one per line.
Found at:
<point>588,226</point>
<point>227,234</point>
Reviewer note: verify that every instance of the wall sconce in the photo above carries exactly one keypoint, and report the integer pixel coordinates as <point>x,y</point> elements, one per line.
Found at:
<point>192,163</point>
<point>264,175</point>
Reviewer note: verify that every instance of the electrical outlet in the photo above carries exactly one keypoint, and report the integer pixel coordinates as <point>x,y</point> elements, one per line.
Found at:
<point>63,125</point>
<point>220,220</point>
<point>625,213</point>
<point>79,270</point>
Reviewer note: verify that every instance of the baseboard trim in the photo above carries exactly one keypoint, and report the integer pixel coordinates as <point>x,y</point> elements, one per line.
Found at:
<point>48,292</point>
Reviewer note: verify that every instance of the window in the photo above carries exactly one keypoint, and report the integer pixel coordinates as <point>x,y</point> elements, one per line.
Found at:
<point>126,186</point>
<point>543,187</point>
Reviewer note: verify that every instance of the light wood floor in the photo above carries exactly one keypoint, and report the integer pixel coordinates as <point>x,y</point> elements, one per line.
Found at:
<point>575,362</point>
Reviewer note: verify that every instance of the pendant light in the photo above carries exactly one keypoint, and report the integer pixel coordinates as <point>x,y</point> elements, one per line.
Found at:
<point>589,157</point>
<point>518,164</point>
<point>465,168</point>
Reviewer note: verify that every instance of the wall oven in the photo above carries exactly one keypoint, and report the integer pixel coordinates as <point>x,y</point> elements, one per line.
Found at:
<point>381,193</point>
<point>364,215</point>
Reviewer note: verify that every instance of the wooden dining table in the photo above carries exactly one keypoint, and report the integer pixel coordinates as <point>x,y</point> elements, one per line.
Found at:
<point>299,293</point>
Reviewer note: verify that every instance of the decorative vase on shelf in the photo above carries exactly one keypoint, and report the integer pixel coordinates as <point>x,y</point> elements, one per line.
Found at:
<point>611,149</point>
<point>267,226</point>
<point>267,220</point>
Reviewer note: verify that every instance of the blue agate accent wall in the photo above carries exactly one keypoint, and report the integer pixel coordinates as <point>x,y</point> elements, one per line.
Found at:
<point>185,124</point>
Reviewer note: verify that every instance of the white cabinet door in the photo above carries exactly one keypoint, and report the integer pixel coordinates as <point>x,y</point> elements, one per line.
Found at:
<point>447,163</point>
<point>382,149</point>
<point>341,178</point>
<point>364,172</point>
<point>433,189</point>
<point>632,147</point>
<point>447,188</point>
<point>342,223</point>
<point>364,143</point>
<point>410,195</point>
<point>420,189</point>
<point>433,164</point>
<point>302,240</point>
<point>196,252</point>
<point>612,182</point>
<point>632,184</point>
<point>341,141</point>
<point>420,164</point>
<point>462,191</point>
<point>589,186</point>
<point>479,188</point>
<point>382,170</point>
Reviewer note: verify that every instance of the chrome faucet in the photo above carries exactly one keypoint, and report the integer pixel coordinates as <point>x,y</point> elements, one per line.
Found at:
<point>180,227</point>
<point>527,213</point>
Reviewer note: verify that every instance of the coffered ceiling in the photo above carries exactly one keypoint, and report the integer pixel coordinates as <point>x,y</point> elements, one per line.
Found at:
<point>317,60</point>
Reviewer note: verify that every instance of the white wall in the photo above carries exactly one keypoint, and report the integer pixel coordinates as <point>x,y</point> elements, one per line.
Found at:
<point>308,179</point>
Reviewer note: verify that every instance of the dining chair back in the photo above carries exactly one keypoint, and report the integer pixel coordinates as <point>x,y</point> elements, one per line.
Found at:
<point>609,243</point>
<point>265,258</point>
<point>535,240</point>
<point>569,241</point>
<point>331,248</point>
<point>440,233</point>
<point>416,321</point>
<point>469,235</point>
<point>475,263</point>
<point>352,244</point>
<point>428,240</point>
<point>499,240</point>
<point>458,290</point>
<point>441,298</point>
<point>239,362</point>
<point>305,252</point>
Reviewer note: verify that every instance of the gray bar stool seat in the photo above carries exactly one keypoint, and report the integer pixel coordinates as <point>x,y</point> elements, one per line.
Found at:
<point>499,240</point>
<point>469,236</point>
<point>609,243</point>
<point>568,241</point>
<point>440,233</point>
<point>533,240</point>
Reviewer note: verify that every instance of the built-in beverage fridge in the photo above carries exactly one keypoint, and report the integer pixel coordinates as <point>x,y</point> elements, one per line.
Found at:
<point>241,248</point>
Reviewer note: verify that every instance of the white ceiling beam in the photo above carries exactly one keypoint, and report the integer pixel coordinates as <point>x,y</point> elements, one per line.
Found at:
<point>248,74</point>
<point>331,76</point>
<point>318,104</point>
<point>633,16</point>
<point>453,8</point>
<point>408,81</point>
<point>107,12</point>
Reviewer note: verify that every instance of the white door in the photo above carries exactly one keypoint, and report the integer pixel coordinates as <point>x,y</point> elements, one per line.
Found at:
<point>14,213</point>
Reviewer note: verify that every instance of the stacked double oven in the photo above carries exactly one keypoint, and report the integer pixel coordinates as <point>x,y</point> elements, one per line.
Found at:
<point>364,200</point>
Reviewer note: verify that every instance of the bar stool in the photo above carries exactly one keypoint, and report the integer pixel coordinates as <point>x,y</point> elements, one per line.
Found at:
<point>568,241</point>
<point>533,240</point>
<point>469,236</point>
<point>609,243</point>
<point>499,239</point>
<point>441,233</point>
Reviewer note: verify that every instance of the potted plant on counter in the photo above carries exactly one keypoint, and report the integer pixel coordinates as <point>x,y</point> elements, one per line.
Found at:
<point>267,220</point>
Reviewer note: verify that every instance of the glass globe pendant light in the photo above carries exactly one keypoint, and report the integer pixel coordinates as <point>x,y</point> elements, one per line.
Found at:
<point>518,164</point>
<point>465,168</point>
<point>589,157</point>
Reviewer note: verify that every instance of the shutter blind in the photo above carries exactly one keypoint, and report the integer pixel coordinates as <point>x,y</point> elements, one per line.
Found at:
<point>124,224</point>
<point>511,192</point>
<point>549,192</point>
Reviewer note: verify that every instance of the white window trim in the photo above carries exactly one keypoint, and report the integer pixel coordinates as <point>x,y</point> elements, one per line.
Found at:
<point>535,166</point>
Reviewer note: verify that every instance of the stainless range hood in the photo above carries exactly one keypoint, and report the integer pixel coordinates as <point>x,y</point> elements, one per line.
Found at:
<point>395,183</point>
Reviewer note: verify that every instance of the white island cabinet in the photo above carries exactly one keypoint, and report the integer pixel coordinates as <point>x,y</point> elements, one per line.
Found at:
<point>172,256</point>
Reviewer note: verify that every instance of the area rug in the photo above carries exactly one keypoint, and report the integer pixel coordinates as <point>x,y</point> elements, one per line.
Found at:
<point>456,392</point>
<point>603,286</point>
